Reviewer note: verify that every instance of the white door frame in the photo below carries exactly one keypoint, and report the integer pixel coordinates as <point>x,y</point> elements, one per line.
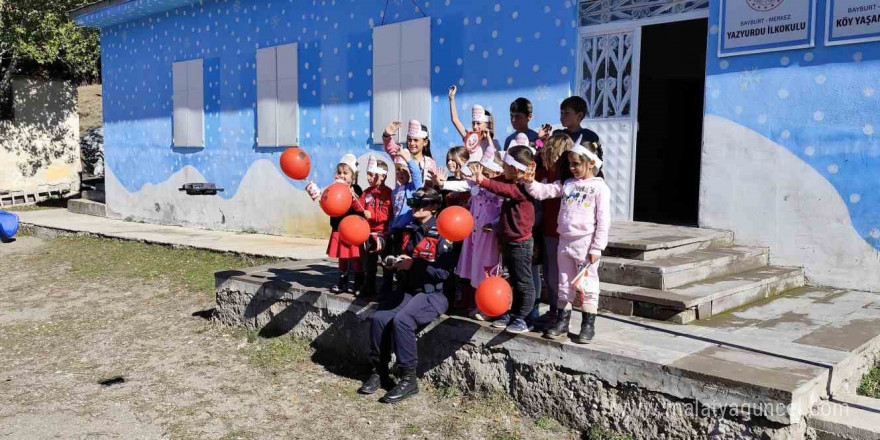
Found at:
<point>634,26</point>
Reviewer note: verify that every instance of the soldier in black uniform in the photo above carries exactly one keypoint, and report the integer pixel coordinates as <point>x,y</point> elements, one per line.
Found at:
<point>425,262</point>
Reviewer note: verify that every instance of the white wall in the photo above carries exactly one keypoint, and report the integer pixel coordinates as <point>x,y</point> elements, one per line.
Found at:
<point>770,197</point>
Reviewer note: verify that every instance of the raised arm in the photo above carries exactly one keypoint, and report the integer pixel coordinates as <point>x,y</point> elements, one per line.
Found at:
<point>504,189</point>
<point>603,222</point>
<point>453,112</point>
<point>391,146</point>
<point>455,186</point>
<point>415,173</point>
<point>544,191</point>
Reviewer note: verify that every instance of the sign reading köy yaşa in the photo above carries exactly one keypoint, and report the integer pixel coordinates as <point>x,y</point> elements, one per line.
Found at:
<point>753,26</point>
<point>852,21</point>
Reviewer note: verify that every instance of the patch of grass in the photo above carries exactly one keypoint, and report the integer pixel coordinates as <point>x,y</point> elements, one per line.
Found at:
<point>412,429</point>
<point>239,435</point>
<point>507,434</point>
<point>445,392</point>
<point>600,433</point>
<point>93,258</point>
<point>548,424</point>
<point>25,208</point>
<point>870,385</point>
<point>277,353</point>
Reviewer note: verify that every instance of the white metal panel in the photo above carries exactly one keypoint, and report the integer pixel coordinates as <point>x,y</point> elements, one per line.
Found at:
<point>287,111</point>
<point>267,104</point>
<point>386,45</point>
<point>195,136</point>
<point>178,116</point>
<point>415,40</point>
<point>266,64</point>
<point>386,98</point>
<point>288,61</point>
<point>415,92</point>
<point>178,75</point>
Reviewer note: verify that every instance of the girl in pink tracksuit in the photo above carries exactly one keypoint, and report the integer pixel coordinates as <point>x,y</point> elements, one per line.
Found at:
<point>583,225</point>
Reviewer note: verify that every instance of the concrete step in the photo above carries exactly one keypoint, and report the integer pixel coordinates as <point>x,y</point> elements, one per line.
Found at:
<point>82,206</point>
<point>95,196</point>
<point>846,418</point>
<point>702,299</point>
<point>677,270</point>
<point>649,241</point>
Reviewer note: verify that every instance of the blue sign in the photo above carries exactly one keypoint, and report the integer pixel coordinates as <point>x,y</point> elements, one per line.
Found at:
<point>754,26</point>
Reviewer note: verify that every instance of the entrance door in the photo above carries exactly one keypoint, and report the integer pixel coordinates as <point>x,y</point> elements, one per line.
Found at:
<point>608,80</point>
<point>670,122</point>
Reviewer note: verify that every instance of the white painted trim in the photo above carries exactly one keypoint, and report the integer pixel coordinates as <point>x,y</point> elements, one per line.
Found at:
<point>634,115</point>
<point>626,25</point>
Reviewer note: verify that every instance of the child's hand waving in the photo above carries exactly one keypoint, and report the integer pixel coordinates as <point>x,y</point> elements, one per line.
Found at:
<point>529,175</point>
<point>545,131</point>
<point>452,90</point>
<point>392,127</point>
<point>477,170</point>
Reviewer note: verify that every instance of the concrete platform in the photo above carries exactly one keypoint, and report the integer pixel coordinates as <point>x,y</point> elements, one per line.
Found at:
<point>847,418</point>
<point>648,241</point>
<point>88,207</point>
<point>775,360</point>
<point>51,222</point>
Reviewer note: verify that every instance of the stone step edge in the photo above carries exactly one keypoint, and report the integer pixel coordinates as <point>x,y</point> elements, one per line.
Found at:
<point>676,300</point>
<point>650,267</point>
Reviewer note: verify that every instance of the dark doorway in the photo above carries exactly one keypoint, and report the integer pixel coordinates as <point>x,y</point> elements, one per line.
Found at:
<point>671,86</point>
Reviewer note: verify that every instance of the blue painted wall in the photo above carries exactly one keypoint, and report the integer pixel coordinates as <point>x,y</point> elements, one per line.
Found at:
<point>494,51</point>
<point>820,103</point>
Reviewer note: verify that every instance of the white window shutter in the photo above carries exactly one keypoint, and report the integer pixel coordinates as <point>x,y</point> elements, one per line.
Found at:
<point>415,70</point>
<point>179,104</point>
<point>386,78</point>
<point>267,97</point>
<point>287,111</point>
<point>195,133</point>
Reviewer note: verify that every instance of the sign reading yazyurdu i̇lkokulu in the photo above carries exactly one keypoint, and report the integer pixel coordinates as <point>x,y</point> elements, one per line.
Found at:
<point>753,26</point>
<point>852,21</point>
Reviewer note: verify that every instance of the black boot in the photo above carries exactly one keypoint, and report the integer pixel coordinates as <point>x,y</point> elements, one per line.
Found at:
<point>560,329</point>
<point>407,387</point>
<point>588,329</point>
<point>358,284</point>
<point>369,288</point>
<point>342,285</point>
<point>380,377</point>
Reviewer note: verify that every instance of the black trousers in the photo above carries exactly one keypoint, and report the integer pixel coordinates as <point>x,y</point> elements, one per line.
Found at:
<point>517,258</point>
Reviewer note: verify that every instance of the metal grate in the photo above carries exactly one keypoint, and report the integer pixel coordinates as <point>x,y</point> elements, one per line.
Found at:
<point>607,11</point>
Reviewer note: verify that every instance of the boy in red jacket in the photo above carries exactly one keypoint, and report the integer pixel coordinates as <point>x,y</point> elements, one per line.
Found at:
<point>375,203</point>
<point>516,223</point>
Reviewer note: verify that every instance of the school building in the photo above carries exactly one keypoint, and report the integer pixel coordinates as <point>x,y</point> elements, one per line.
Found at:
<point>756,116</point>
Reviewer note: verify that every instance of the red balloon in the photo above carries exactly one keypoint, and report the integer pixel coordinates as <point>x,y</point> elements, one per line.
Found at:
<point>336,199</point>
<point>295,163</point>
<point>494,296</point>
<point>354,230</point>
<point>455,223</point>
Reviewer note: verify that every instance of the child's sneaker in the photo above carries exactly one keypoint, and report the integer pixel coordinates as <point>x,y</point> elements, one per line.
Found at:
<point>518,326</point>
<point>502,321</point>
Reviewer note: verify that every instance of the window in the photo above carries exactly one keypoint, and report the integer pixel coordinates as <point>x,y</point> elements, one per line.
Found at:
<point>277,96</point>
<point>401,74</point>
<point>188,113</point>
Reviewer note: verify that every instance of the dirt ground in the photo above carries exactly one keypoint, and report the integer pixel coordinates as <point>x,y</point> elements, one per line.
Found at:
<point>103,339</point>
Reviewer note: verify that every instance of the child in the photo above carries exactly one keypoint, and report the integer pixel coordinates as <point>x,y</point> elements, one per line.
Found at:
<point>552,156</point>
<point>571,112</point>
<point>517,220</point>
<point>407,172</point>
<point>520,115</point>
<point>456,159</point>
<point>583,225</point>
<point>375,204</point>
<point>419,146</point>
<point>480,251</point>
<point>482,122</point>
<point>349,256</point>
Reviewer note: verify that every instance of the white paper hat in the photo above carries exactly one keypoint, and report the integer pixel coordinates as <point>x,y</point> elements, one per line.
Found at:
<point>478,114</point>
<point>415,130</point>
<point>351,161</point>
